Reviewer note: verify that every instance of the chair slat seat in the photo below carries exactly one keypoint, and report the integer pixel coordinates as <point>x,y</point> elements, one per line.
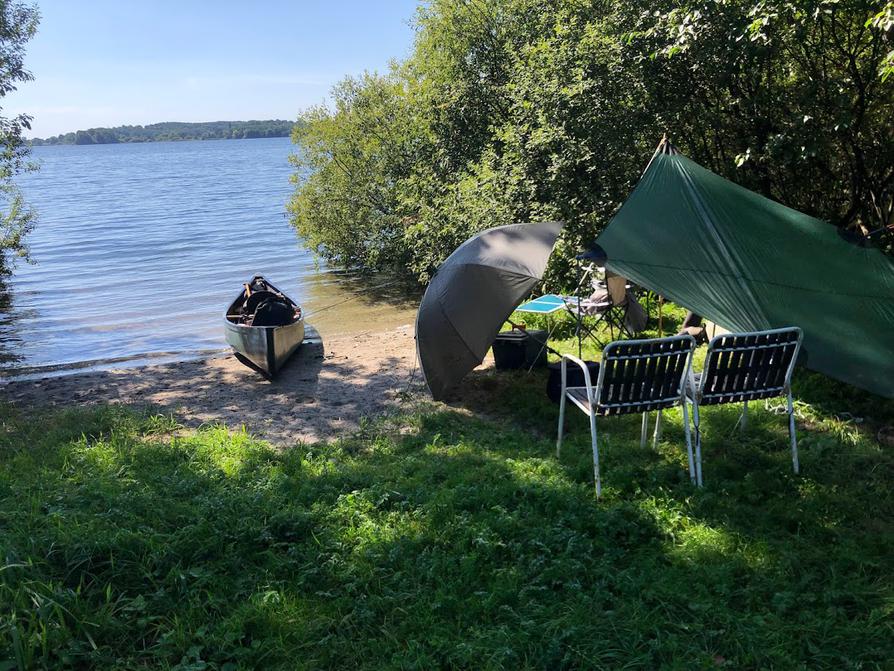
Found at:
<point>710,395</point>
<point>580,398</point>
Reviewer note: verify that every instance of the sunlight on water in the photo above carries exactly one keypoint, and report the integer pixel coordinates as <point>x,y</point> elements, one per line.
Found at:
<point>140,247</point>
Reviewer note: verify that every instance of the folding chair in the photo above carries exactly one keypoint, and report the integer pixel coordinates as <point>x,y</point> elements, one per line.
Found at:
<point>609,304</point>
<point>742,367</point>
<point>634,376</point>
<point>612,305</point>
<point>615,312</point>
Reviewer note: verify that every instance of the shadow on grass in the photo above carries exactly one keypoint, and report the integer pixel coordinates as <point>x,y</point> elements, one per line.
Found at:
<point>808,530</point>
<point>443,540</point>
<point>846,401</point>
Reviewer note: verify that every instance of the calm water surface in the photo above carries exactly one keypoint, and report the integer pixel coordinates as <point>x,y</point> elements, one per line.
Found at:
<point>140,247</point>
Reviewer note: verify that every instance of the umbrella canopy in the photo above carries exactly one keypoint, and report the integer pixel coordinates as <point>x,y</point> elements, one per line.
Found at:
<point>473,293</point>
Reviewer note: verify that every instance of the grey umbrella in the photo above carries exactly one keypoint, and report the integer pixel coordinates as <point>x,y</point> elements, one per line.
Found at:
<point>473,293</point>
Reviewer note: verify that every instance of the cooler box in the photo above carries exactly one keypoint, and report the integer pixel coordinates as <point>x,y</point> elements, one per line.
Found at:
<point>520,349</point>
<point>575,378</point>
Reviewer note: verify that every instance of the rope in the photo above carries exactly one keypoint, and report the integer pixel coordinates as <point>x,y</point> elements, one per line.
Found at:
<point>412,377</point>
<point>353,298</point>
<point>348,300</point>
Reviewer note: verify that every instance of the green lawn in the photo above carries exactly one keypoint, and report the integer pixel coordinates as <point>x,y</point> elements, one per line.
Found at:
<point>449,537</point>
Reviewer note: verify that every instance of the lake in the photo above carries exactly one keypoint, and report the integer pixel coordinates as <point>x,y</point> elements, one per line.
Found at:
<point>139,248</point>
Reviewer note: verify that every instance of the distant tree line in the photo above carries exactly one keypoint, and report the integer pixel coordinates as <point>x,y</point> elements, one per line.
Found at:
<point>172,131</point>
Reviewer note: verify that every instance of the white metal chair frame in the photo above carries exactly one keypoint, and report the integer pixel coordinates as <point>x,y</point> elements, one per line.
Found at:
<point>630,387</point>
<point>758,364</point>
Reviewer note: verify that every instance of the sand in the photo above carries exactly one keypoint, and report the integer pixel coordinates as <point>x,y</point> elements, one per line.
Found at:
<point>321,393</point>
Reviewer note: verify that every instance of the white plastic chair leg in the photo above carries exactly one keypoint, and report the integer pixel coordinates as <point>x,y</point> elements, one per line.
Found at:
<point>692,477</point>
<point>656,437</point>
<point>645,431</point>
<point>596,475</point>
<point>791,433</point>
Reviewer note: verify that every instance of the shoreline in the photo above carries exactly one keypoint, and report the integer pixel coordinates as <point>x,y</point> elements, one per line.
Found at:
<point>49,371</point>
<point>322,392</point>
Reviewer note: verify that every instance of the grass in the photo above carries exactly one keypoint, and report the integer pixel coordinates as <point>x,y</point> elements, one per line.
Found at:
<point>560,326</point>
<point>448,537</point>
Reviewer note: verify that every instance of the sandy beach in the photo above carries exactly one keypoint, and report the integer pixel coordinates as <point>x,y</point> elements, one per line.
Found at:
<point>324,390</point>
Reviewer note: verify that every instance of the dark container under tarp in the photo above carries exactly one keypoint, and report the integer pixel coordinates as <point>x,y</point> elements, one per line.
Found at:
<point>520,349</point>
<point>575,378</point>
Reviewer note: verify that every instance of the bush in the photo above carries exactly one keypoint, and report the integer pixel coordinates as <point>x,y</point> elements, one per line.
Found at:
<point>524,110</point>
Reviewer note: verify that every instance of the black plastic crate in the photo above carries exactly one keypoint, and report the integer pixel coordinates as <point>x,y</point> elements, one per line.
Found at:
<point>520,349</point>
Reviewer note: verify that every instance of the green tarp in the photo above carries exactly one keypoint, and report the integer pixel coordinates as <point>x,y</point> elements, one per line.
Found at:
<point>748,263</point>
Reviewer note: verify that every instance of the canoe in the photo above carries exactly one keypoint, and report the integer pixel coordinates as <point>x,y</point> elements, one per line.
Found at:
<point>264,326</point>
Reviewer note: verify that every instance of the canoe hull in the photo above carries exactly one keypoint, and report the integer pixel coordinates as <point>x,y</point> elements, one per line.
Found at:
<point>266,347</point>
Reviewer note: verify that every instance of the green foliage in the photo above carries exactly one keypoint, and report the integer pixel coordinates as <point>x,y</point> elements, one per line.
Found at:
<point>789,93</point>
<point>441,539</point>
<point>17,220</point>
<point>884,21</point>
<point>515,110</point>
<point>355,217</point>
<point>18,24</point>
<point>173,131</point>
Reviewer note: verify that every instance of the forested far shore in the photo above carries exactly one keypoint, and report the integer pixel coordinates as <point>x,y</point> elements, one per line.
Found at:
<point>173,130</point>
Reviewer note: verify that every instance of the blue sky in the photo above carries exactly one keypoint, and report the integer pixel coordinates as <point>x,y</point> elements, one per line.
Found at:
<point>100,63</point>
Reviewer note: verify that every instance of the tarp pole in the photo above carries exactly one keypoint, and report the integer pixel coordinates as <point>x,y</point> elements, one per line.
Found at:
<point>660,317</point>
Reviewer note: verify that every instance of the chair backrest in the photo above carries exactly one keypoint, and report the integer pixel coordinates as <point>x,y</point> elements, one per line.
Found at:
<point>746,366</point>
<point>597,277</point>
<point>617,288</point>
<point>642,375</point>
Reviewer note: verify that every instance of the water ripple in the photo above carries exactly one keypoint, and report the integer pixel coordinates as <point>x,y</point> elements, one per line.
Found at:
<point>140,247</point>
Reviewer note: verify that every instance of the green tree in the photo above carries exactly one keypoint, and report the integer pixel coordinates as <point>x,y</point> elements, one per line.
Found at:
<point>18,24</point>
<point>173,131</point>
<point>514,110</point>
<point>783,97</point>
<point>357,163</point>
<point>884,21</point>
